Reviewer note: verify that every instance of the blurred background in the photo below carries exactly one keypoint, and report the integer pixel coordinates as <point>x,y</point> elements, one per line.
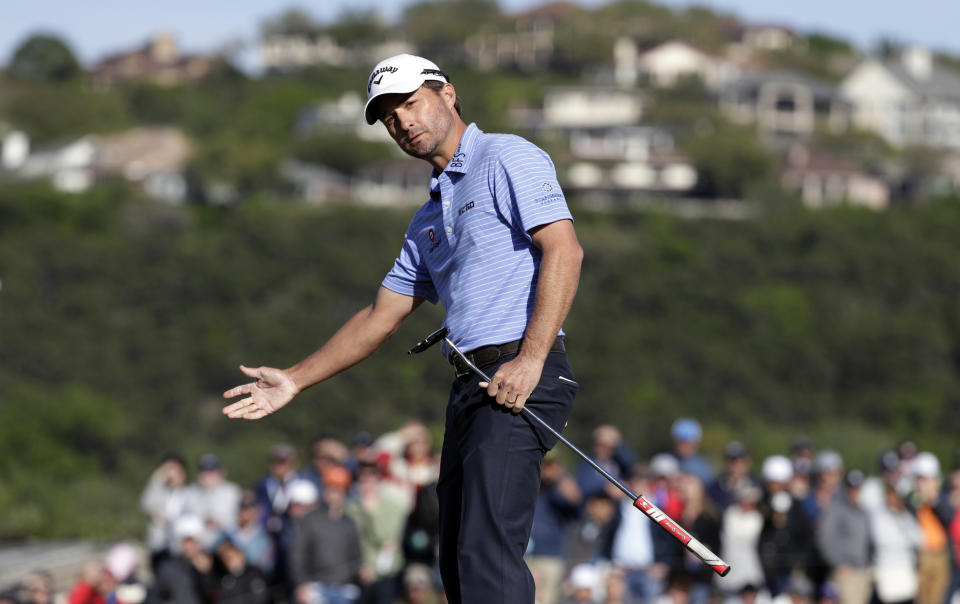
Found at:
<point>768,198</point>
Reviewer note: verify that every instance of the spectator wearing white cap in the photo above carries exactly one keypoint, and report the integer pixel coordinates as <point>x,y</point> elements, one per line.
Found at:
<point>686,434</point>
<point>304,496</point>
<point>182,577</point>
<point>325,556</point>
<point>933,562</point>
<point>585,580</point>
<point>786,540</point>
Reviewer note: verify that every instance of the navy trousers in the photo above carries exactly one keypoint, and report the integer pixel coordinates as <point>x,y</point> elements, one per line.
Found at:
<point>489,482</point>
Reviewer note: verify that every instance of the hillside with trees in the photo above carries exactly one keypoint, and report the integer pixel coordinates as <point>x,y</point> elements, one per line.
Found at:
<point>123,318</point>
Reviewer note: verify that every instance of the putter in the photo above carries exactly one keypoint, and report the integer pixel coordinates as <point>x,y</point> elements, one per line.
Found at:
<point>639,501</point>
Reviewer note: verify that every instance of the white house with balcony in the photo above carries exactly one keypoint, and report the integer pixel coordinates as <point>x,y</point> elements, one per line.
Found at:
<point>908,101</point>
<point>68,166</point>
<point>671,62</point>
<point>567,107</point>
<point>621,160</point>
<point>784,106</point>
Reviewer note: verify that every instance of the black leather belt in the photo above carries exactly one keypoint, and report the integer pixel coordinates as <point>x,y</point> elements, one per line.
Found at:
<point>487,355</point>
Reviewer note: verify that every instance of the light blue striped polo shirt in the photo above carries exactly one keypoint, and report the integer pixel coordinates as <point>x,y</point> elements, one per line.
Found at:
<point>469,247</point>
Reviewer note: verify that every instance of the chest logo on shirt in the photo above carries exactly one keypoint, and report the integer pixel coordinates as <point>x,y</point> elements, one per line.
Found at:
<point>432,236</point>
<point>467,206</point>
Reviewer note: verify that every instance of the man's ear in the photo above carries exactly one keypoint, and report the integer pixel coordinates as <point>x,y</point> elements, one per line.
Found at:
<point>449,94</point>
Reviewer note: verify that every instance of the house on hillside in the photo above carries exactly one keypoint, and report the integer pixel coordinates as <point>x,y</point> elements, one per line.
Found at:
<point>662,174</point>
<point>632,143</point>
<point>618,161</point>
<point>784,106</point>
<point>315,184</point>
<point>153,157</point>
<point>567,107</point>
<point>669,63</point>
<point>766,37</point>
<point>281,52</point>
<point>392,183</point>
<point>530,47</point>
<point>68,166</point>
<point>822,179</point>
<point>344,114</point>
<point>14,149</point>
<point>910,100</point>
<point>159,62</point>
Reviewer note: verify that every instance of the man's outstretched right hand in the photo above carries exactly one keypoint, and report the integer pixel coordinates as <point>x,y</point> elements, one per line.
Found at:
<point>271,391</point>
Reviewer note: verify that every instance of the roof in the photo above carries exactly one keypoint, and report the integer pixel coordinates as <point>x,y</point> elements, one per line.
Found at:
<point>690,45</point>
<point>755,79</point>
<point>942,83</point>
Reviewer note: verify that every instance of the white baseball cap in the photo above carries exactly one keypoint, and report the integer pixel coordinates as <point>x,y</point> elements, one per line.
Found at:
<point>925,465</point>
<point>584,576</point>
<point>777,468</point>
<point>188,527</point>
<point>302,491</point>
<point>400,74</point>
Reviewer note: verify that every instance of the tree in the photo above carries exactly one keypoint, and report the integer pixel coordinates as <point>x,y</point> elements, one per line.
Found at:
<point>731,160</point>
<point>44,58</point>
<point>438,28</point>
<point>293,21</point>
<point>358,28</point>
<point>341,153</point>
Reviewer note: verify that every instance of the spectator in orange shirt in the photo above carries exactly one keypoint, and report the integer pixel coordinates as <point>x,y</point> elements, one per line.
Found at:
<point>933,562</point>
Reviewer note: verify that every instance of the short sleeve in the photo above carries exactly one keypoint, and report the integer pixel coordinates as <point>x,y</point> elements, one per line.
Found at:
<point>409,275</point>
<point>527,186</point>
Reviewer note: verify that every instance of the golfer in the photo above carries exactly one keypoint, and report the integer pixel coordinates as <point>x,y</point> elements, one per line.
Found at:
<point>495,245</point>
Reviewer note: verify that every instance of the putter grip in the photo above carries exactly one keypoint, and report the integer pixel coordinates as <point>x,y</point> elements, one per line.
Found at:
<point>670,525</point>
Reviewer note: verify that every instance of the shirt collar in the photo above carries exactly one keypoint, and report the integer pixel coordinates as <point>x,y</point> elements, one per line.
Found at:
<point>463,156</point>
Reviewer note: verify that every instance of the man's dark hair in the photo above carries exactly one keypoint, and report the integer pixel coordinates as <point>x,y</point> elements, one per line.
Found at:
<point>436,86</point>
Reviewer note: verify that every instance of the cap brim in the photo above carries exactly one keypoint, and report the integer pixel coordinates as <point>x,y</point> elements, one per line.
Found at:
<point>398,88</point>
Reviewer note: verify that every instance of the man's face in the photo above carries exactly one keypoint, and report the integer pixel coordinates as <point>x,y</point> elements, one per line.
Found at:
<point>210,478</point>
<point>420,121</point>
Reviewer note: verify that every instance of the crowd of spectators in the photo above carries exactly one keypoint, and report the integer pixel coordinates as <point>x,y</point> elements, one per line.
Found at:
<point>358,524</point>
<point>799,527</point>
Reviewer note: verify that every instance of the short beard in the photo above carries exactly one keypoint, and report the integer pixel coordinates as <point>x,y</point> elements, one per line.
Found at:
<point>444,123</point>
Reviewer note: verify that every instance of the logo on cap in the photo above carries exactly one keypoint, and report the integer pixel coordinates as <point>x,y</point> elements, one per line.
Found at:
<point>379,72</point>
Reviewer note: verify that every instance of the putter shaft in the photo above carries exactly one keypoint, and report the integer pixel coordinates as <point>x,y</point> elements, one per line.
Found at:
<point>639,501</point>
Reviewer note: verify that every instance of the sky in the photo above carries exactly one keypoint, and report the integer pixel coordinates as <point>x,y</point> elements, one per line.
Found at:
<point>95,29</point>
